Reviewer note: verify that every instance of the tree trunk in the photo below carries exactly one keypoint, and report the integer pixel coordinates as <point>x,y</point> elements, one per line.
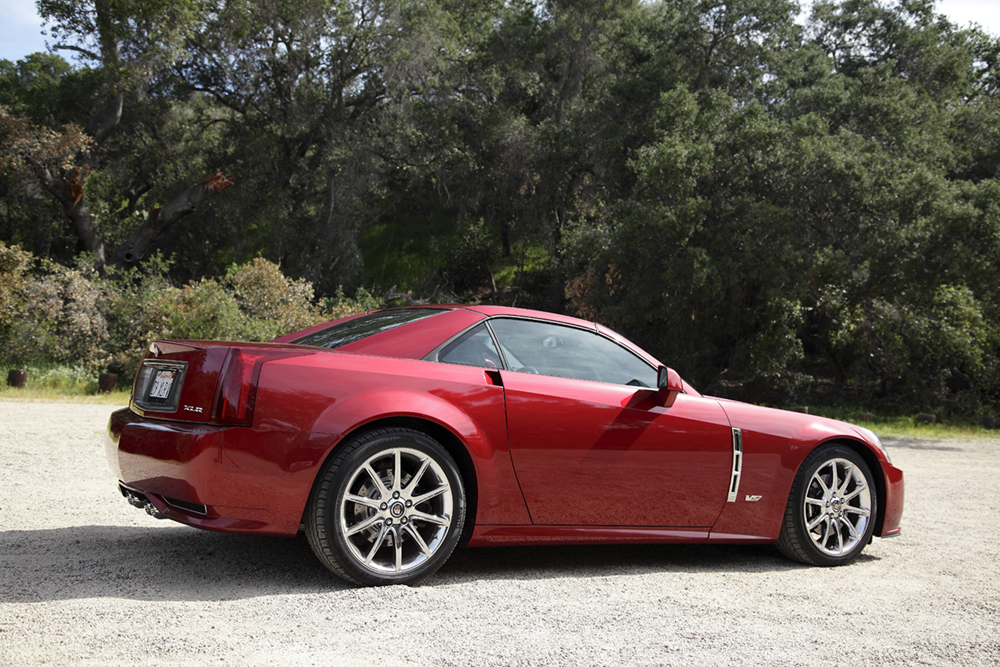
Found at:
<point>69,194</point>
<point>132,250</point>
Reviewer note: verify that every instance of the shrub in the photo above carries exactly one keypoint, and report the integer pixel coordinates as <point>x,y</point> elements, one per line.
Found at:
<point>273,304</point>
<point>14,264</point>
<point>73,318</point>
<point>343,306</point>
<point>61,321</point>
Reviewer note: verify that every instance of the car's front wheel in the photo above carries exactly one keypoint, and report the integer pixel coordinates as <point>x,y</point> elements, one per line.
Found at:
<point>831,509</point>
<point>388,509</point>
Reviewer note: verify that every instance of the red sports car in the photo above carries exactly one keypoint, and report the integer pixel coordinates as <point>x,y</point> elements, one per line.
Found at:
<point>391,437</point>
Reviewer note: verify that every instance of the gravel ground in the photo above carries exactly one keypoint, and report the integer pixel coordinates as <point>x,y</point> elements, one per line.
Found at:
<point>87,579</point>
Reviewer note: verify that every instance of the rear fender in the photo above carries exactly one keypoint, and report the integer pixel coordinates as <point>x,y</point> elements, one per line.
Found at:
<point>480,429</point>
<point>342,395</point>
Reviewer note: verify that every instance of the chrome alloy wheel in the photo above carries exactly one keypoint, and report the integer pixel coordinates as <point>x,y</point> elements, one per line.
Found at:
<point>837,507</point>
<point>396,510</point>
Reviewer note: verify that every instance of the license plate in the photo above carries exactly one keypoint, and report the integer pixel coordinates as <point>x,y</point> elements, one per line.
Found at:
<point>161,384</point>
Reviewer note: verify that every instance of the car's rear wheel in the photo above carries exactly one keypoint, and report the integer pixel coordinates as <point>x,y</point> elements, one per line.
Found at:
<point>831,509</point>
<point>388,509</point>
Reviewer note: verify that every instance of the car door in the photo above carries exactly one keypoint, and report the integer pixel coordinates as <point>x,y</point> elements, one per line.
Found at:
<point>591,441</point>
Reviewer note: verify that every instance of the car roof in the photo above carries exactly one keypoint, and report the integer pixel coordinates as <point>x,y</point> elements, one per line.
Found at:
<point>416,339</point>
<point>499,311</point>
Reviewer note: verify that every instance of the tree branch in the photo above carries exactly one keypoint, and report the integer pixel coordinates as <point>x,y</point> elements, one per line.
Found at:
<point>70,47</point>
<point>138,242</point>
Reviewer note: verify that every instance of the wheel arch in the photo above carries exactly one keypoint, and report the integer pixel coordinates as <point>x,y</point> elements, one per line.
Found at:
<point>444,436</point>
<point>453,444</point>
<point>874,465</point>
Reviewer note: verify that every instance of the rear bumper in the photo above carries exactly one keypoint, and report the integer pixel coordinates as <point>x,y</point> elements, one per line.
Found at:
<point>231,479</point>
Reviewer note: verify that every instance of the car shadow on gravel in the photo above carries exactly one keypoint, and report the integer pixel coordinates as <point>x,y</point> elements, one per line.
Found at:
<point>168,562</point>
<point>543,562</point>
<point>179,563</point>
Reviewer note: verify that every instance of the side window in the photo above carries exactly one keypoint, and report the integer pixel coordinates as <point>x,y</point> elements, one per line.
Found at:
<point>551,349</point>
<point>474,348</point>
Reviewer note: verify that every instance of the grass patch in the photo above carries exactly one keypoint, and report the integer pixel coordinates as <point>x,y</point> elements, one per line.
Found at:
<point>59,396</point>
<point>63,383</point>
<point>906,426</point>
<point>405,248</point>
<point>525,258</point>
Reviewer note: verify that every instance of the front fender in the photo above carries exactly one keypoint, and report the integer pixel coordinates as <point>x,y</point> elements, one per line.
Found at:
<point>775,442</point>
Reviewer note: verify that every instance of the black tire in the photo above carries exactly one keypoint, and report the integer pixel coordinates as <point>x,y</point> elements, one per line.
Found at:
<point>387,509</point>
<point>831,509</point>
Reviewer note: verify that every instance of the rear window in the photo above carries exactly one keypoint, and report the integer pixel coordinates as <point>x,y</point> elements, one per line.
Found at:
<point>364,326</point>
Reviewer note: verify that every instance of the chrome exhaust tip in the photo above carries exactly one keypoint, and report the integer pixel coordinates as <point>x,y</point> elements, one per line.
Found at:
<point>140,501</point>
<point>152,511</point>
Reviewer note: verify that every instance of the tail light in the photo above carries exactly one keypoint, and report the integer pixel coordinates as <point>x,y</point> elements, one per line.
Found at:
<point>237,389</point>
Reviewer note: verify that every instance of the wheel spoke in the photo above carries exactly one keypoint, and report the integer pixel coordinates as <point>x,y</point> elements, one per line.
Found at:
<point>840,538</point>
<point>418,539</point>
<point>833,476</point>
<point>860,511</point>
<point>429,518</point>
<point>431,494</point>
<point>397,542</point>
<point>848,472</point>
<point>397,472</point>
<point>361,500</point>
<point>815,522</point>
<point>850,527</point>
<point>819,480</point>
<point>364,525</point>
<point>854,494</point>
<point>382,490</point>
<point>379,538</point>
<point>826,533</point>
<point>419,474</point>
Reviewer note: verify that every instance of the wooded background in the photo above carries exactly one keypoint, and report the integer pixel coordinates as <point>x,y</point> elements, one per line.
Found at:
<point>782,212</point>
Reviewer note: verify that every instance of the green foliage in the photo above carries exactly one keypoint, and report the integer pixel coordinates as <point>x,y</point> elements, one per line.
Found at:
<point>776,210</point>
<point>80,320</point>
<point>925,350</point>
<point>14,264</point>
<point>63,324</point>
<point>275,303</point>
<point>469,256</point>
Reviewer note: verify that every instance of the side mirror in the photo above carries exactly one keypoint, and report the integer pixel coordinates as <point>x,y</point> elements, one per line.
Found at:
<point>669,383</point>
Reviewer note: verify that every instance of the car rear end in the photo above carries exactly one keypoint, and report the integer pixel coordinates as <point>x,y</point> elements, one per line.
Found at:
<point>186,448</point>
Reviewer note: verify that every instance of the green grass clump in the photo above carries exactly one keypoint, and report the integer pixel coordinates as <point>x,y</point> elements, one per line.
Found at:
<point>63,383</point>
<point>906,426</point>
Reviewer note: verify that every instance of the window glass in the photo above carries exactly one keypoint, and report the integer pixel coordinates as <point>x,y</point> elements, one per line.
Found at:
<point>364,326</point>
<point>474,348</point>
<point>562,351</point>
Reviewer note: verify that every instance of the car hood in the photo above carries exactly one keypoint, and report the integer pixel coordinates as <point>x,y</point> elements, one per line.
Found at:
<point>797,428</point>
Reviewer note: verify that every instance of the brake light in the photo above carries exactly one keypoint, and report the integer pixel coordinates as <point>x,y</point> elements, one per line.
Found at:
<point>236,391</point>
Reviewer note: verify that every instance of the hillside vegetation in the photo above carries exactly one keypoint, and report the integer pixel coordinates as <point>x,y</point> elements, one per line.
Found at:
<point>782,212</point>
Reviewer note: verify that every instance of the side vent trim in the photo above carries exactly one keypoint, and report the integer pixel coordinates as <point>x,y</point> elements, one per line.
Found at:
<point>734,482</point>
